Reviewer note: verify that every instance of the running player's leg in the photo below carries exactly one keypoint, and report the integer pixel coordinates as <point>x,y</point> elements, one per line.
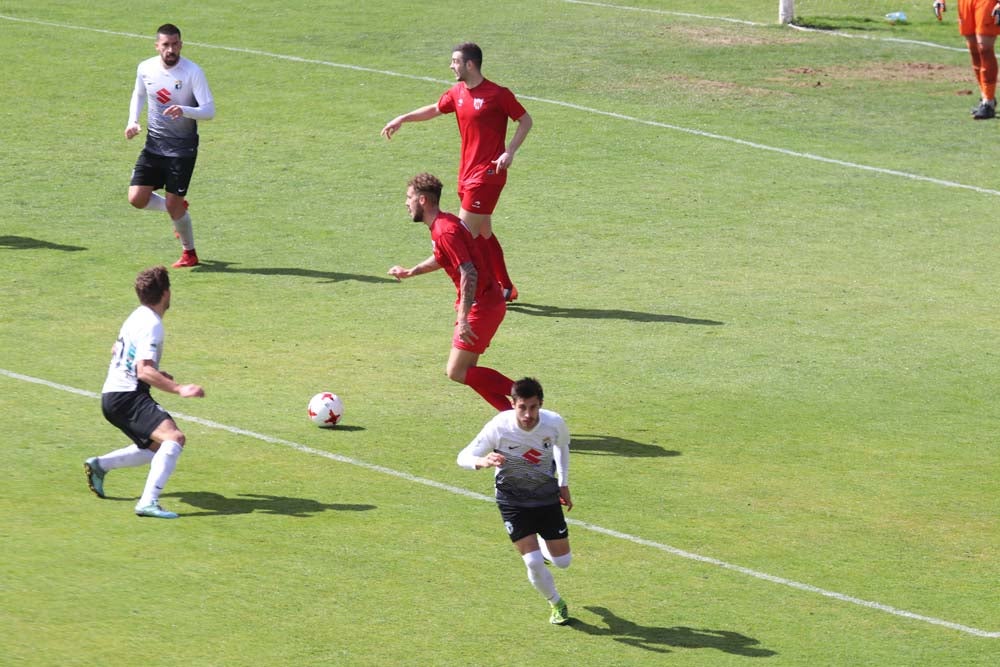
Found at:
<point>168,443</point>
<point>463,360</point>
<point>519,521</point>
<point>147,175</point>
<point>177,182</point>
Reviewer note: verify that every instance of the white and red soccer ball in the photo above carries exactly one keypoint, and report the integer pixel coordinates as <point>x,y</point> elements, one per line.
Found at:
<point>326,409</point>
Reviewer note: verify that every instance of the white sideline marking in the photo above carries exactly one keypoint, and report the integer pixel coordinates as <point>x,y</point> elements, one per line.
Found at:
<point>666,548</point>
<point>834,33</point>
<point>568,105</point>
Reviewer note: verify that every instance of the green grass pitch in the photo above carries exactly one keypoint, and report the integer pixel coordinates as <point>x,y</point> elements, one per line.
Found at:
<point>758,274</point>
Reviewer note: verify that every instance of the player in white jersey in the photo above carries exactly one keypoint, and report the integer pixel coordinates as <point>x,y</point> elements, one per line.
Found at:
<point>529,447</point>
<point>126,403</point>
<point>177,94</point>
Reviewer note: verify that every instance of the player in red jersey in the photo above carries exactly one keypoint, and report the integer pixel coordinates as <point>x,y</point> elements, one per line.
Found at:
<point>480,304</point>
<point>482,109</point>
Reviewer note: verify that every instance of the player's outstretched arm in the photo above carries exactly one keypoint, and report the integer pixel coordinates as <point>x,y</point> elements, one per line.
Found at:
<point>426,266</point>
<point>423,113</point>
<point>147,371</point>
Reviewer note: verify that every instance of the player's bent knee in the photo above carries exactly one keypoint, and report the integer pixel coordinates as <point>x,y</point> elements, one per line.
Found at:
<point>562,562</point>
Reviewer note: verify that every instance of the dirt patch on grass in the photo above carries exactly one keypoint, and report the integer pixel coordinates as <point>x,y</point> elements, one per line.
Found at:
<point>957,79</point>
<point>891,71</point>
<point>722,36</point>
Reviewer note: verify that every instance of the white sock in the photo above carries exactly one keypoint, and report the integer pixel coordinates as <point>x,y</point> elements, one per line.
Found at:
<point>182,226</point>
<point>126,457</point>
<point>160,469</point>
<point>156,202</point>
<point>539,576</point>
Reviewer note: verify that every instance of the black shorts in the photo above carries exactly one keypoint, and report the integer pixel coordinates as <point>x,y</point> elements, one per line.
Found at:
<point>135,414</point>
<point>173,174</point>
<point>546,521</point>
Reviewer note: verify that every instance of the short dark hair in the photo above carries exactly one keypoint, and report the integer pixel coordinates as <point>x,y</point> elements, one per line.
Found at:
<point>471,51</point>
<point>527,388</point>
<point>151,284</point>
<point>169,29</point>
<point>428,185</point>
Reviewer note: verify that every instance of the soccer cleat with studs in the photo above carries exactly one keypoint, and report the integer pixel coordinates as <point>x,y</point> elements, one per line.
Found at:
<point>95,476</point>
<point>188,258</point>
<point>560,613</point>
<point>985,111</point>
<point>154,510</point>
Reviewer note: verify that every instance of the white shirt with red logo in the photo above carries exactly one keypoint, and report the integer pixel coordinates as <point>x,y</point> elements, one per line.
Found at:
<point>536,462</point>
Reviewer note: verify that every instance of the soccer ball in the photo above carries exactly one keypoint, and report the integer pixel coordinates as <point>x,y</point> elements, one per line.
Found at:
<point>326,409</point>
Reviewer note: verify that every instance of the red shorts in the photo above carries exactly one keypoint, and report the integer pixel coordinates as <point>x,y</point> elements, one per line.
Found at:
<point>481,198</point>
<point>484,323</point>
<point>975,17</point>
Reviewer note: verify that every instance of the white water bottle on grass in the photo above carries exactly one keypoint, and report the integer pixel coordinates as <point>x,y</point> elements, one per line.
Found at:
<point>896,17</point>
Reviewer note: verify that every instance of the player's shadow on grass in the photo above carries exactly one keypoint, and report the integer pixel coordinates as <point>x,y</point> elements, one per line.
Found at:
<point>601,314</point>
<point>215,266</point>
<point>28,243</point>
<point>214,504</point>
<point>661,640</point>
<point>607,445</point>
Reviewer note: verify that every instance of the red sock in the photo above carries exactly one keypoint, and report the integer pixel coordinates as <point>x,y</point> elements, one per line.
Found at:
<point>491,385</point>
<point>496,259</point>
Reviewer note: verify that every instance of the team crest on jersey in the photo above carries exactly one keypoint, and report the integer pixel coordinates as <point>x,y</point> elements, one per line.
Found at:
<point>178,84</point>
<point>477,103</point>
<point>547,442</point>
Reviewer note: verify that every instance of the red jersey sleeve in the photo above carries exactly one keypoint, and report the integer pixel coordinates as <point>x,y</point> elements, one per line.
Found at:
<point>446,103</point>
<point>510,105</point>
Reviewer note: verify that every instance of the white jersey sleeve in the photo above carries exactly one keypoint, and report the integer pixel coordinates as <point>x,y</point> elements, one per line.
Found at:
<point>140,338</point>
<point>483,444</point>
<point>536,462</point>
<point>138,99</point>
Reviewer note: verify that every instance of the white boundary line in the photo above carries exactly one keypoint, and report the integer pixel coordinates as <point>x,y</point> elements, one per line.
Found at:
<point>834,33</point>
<point>877,606</point>
<point>568,105</point>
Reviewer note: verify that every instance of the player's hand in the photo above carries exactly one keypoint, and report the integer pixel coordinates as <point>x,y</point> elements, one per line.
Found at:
<point>132,130</point>
<point>191,391</point>
<point>503,161</point>
<point>465,332</point>
<point>391,128</point>
<point>173,112</point>
<point>939,9</point>
<point>565,499</point>
<point>399,273</point>
<point>493,460</point>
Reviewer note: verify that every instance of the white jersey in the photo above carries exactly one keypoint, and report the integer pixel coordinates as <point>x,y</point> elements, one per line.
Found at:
<point>141,337</point>
<point>536,462</point>
<point>185,85</point>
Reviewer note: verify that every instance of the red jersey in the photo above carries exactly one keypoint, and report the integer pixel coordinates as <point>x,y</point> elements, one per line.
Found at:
<point>454,245</point>
<point>482,114</point>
